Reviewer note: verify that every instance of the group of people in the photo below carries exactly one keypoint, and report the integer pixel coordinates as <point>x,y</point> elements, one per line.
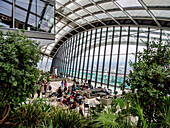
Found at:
<point>43,86</point>
<point>69,97</point>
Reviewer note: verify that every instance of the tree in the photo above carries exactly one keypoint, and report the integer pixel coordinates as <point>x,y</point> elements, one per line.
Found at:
<point>149,78</point>
<point>19,56</point>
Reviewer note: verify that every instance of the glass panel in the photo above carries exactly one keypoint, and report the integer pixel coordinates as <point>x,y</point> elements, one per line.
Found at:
<point>108,5</point>
<point>121,67</point>
<point>117,14</point>
<point>48,20</point>
<point>130,58</point>
<point>138,13</point>
<point>20,16</point>
<point>83,2</point>
<point>5,14</point>
<point>81,12</point>
<point>106,65</point>
<point>90,18</point>
<point>100,64</point>
<point>40,7</point>
<point>157,2</point>
<point>22,3</point>
<point>161,13</point>
<point>73,16</point>
<point>129,3</point>
<point>113,64</point>
<point>93,9</point>
<point>102,16</point>
<point>71,6</point>
<point>95,63</point>
<point>49,64</point>
<point>90,63</point>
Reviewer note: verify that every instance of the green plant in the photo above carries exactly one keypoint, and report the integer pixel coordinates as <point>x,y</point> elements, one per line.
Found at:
<point>48,76</point>
<point>149,78</point>
<point>111,118</point>
<point>66,118</point>
<point>19,56</point>
<point>30,115</point>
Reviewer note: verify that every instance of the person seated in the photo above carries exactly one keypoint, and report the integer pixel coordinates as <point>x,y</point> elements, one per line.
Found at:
<point>49,87</point>
<point>91,87</point>
<point>76,99</point>
<point>74,105</point>
<point>85,100</point>
<point>84,86</point>
<point>85,95</point>
<point>75,79</point>
<point>77,85</point>
<point>69,92</point>
<point>106,90</point>
<point>68,78</point>
<point>65,89</point>
<point>89,82</point>
<point>73,88</point>
<point>64,100</point>
<point>77,94</point>
<point>81,108</point>
<point>84,80</point>
<point>59,92</point>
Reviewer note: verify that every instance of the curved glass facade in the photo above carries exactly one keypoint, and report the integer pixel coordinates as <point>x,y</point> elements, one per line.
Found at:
<point>103,54</point>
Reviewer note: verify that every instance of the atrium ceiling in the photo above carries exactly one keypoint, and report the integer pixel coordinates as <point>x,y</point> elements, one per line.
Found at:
<point>76,16</point>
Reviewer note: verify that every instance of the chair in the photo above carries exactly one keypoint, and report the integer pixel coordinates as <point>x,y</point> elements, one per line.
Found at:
<point>86,109</point>
<point>43,94</point>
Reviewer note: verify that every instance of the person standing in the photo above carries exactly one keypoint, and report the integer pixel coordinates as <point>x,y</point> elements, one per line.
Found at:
<point>65,83</point>
<point>89,82</point>
<point>62,84</point>
<point>38,89</point>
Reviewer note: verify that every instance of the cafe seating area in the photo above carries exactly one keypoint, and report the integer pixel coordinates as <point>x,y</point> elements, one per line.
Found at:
<point>84,95</point>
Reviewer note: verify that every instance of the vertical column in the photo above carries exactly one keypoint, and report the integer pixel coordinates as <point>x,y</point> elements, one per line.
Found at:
<point>77,55</point>
<point>137,42</point>
<point>71,68</point>
<point>118,58</point>
<point>89,53</point>
<point>110,57</point>
<point>84,54</point>
<point>81,55</point>
<point>13,13</point>
<point>98,59</point>
<point>64,58</point>
<point>93,54</point>
<point>160,35</point>
<point>74,54</point>
<point>127,48</point>
<point>104,55</point>
<point>36,28</point>
<point>69,58</point>
<point>46,64</point>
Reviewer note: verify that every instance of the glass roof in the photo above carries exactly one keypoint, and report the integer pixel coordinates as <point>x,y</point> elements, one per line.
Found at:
<point>76,15</point>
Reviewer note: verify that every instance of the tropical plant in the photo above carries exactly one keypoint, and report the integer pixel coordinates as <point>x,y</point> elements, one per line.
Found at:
<point>111,117</point>
<point>19,56</point>
<point>48,76</point>
<point>32,114</point>
<point>149,78</point>
<point>66,119</point>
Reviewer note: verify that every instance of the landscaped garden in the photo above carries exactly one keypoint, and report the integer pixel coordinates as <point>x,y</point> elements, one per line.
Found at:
<point>148,101</point>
